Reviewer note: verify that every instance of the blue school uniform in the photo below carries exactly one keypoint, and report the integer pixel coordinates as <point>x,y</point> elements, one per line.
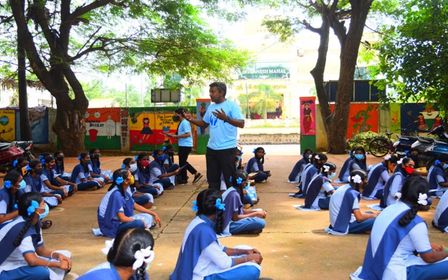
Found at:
<point>294,176</point>
<point>5,205</point>
<point>315,197</point>
<point>104,271</point>
<point>201,256</point>
<point>440,220</point>
<point>349,165</point>
<point>255,165</point>
<point>392,186</point>
<point>50,175</point>
<point>376,179</point>
<point>436,177</point>
<point>307,174</point>
<point>79,174</point>
<point>35,184</point>
<point>233,204</point>
<point>391,249</point>
<point>143,177</point>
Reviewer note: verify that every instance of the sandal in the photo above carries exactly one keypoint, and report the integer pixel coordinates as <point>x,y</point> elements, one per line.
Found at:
<point>46,224</point>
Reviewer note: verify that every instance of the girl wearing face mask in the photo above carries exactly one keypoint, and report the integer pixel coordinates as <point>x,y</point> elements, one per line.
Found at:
<point>392,188</point>
<point>13,187</point>
<point>320,188</point>
<point>378,176</point>
<point>116,210</point>
<point>158,173</point>
<point>81,175</point>
<point>144,199</point>
<point>438,182</point>
<point>255,165</point>
<point>35,184</point>
<point>23,254</point>
<point>95,165</point>
<point>357,160</point>
<point>345,215</point>
<point>143,177</point>
<point>59,166</point>
<point>49,179</point>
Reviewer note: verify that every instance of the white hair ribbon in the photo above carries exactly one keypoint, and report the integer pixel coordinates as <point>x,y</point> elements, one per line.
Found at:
<point>356,179</point>
<point>400,161</point>
<point>108,244</point>
<point>143,256</point>
<point>397,195</point>
<point>387,157</point>
<point>317,157</point>
<point>422,199</point>
<point>326,168</point>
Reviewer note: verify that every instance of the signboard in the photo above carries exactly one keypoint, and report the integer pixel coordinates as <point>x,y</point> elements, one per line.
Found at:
<point>7,125</point>
<point>165,95</point>
<point>267,72</point>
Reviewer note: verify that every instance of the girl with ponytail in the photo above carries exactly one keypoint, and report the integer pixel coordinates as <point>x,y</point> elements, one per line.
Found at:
<point>131,254</point>
<point>399,246</point>
<point>23,254</point>
<point>378,176</point>
<point>116,210</point>
<point>201,255</point>
<point>13,187</point>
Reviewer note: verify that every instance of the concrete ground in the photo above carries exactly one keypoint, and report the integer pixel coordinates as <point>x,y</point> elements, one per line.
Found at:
<point>293,244</point>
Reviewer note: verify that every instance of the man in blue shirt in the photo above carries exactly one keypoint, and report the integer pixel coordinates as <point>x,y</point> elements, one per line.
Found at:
<point>223,117</point>
<point>185,143</point>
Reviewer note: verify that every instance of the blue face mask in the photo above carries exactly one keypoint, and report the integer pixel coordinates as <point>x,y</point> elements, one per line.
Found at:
<point>22,185</point>
<point>331,176</point>
<point>45,213</point>
<point>359,156</point>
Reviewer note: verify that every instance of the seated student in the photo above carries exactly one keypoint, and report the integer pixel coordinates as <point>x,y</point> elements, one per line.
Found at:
<point>356,160</point>
<point>144,199</point>
<point>438,182</point>
<point>35,184</point>
<point>49,179</point>
<point>81,175</point>
<point>129,257</point>
<point>143,177</point>
<point>255,165</point>
<point>23,254</point>
<point>378,176</point>
<point>345,216</point>
<point>238,220</point>
<point>95,164</point>
<point>320,189</point>
<point>13,187</point>
<point>440,220</point>
<point>392,188</point>
<point>160,175</point>
<point>116,210</point>
<point>294,176</point>
<point>21,164</point>
<point>239,158</point>
<point>201,255</point>
<point>312,168</point>
<point>59,166</point>
<point>399,247</point>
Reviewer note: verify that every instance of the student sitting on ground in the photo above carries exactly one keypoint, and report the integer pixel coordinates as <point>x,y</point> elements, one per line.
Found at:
<point>438,182</point>
<point>23,254</point>
<point>59,167</point>
<point>238,220</point>
<point>116,210</point>
<point>143,177</point>
<point>129,257</point>
<point>21,164</point>
<point>399,246</point>
<point>309,171</point>
<point>356,160</point>
<point>320,189</point>
<point>50,179</point>
<point>392,188</point>
<point>13,187</point>
<point>81,175</point>
<point>294,176</point>
<point>378,176</point>
<point>345,215</point>
<point>35,184</point>
<point>144,199</point>
<point>255,165</point>
<point>160,175</point>
<point>201,255</point>
<point>440,220</point>
<point>95,164</point>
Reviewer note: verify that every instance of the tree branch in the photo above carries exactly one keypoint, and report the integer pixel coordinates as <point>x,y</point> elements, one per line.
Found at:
<point>311,28</point>
<point>87,8</point>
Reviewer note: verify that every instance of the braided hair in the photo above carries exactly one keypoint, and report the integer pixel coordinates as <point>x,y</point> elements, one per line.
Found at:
<point>353,176</point>
<point>123,173</point>
<point>25,202</point>
<point>126,243</point>
<point>13,176</point>
<point>206,202</point>
<point>413,186</point>
<point>239,181</point>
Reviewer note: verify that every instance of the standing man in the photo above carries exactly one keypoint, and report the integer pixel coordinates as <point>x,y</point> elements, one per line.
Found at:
<point>185,143</point>
<point>223,117</point>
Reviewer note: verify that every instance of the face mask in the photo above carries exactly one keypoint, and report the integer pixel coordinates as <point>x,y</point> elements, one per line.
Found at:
<point>409,170</point>
<point>331,175</point>
<point>176,118</point>
<point>133,167</point>
<point>359,156</point>
<point>45,213</point>
<point>131,180</point>
<point>22,185</point>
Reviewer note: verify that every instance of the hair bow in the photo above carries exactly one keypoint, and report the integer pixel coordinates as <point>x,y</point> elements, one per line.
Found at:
<point>195,206</point>
<point>32,208</point>
<point>437,162</point>
<point>239,180</point>
<point>387,157</point>
<point>119,180</point>
<point>326,168</point>
<point>14,163</point>
<point>317,157</point>
<point>356,179</point>
<point>123,166</point>
<point>397,195</point>
<point>143,256</point>
<point>422,199</point>
<point>400,161</point>
<point>107,246</point>
<point>219,205</point>
<point>7,184</point>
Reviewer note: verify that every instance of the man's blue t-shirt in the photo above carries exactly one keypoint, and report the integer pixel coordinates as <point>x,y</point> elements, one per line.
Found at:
<point>222,134</point>
<point>185,127</point>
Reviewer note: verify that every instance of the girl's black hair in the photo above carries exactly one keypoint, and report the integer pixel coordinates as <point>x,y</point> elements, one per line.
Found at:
<point>239,187</point>
<point>412,187</point>
<point>81,157</point>
<point>127,161</point>
<point>123,173</point>
<point>34,163</point>
<point>256,151</point>
<point>206,202</point>
<point>392,159</point>
<point>307,151</point>
<point>48,158</point>
<point>12,176</point>
<point>59,161</point>
<point>363,176</point>
<point>141,156</point>
<point>126,243</point>
<point>315,161</point>
<point>24,202</point>
<point>331,165</point>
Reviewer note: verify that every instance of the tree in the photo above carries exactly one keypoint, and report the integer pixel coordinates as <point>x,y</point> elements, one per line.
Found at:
<point>334,15</point>
<point>262,100</point>
<point>157,37</point>
<point>413,52</point>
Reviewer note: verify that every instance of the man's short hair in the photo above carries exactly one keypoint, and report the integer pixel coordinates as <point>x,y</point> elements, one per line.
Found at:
<point>220,86</point>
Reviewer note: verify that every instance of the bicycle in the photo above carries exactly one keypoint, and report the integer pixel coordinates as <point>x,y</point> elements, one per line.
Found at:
<point>381,145</point>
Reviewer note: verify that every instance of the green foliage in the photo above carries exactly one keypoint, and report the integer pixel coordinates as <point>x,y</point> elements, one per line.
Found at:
<point>362,139</point>
<point>260,101</point>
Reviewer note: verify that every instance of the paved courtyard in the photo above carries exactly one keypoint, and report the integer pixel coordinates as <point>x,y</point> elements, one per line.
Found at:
<point>293,244</point>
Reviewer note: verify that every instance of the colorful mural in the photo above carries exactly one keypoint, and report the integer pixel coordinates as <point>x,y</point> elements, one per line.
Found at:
<point>419,116</point>
<point>362,117</point>
<point>7,125</point>
<point>103,128</point>
<point>307,123</point>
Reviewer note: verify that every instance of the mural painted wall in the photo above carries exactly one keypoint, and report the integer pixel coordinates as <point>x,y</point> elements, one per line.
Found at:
<point>7,125</point>
<point>362,118</point>
<point>39,122</point>
<point>419,116</point>
<point>103,128</point>
<point>308,115</point>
